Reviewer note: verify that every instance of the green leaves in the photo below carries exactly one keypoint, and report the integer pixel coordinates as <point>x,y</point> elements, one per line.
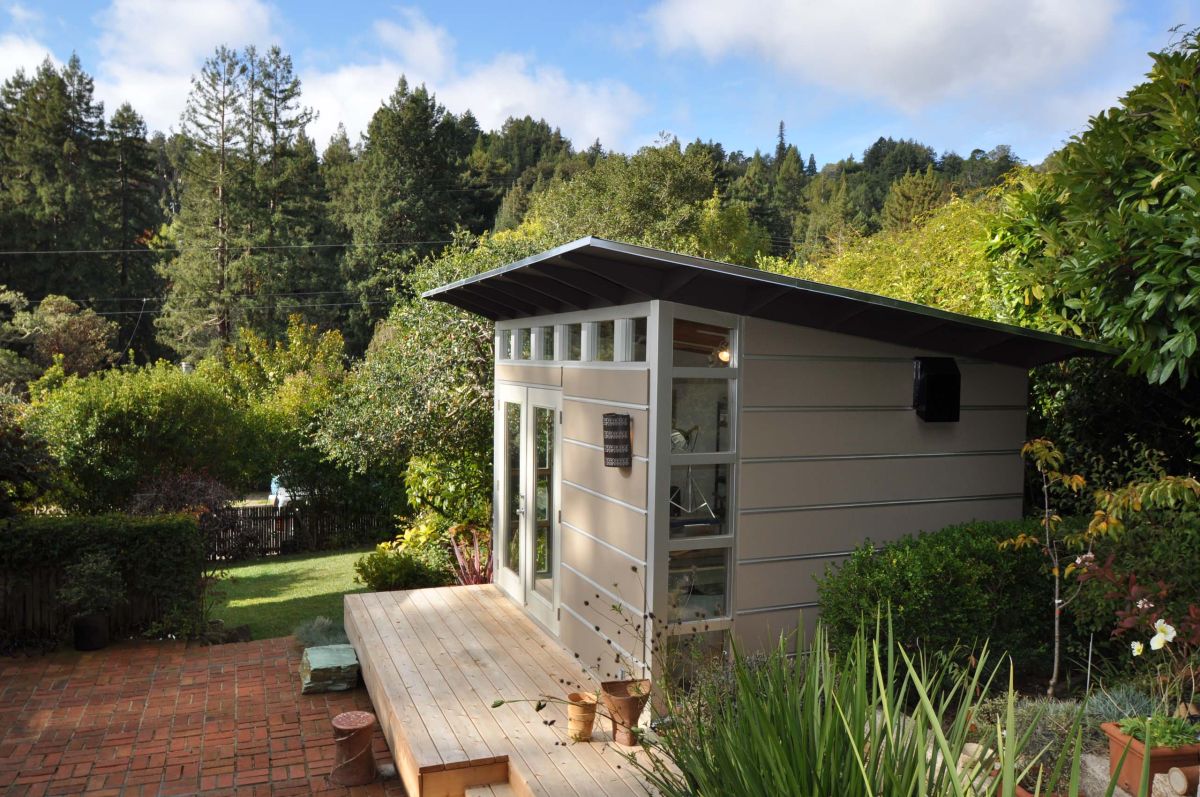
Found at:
<point>1111,229</point>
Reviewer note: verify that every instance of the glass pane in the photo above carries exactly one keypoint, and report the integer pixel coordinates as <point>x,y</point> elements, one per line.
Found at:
<point>696,584</point>
<point>699,415</point>
<point>546,336</point>
<point>698,501</point>
<point>638,352</point>
<point>503,345</point>
<point>543,577</point>
<point>512,486</point>
<point>699,345</point>
<point>606,339</point>
<point>574,341</point>
<point>523,344</point>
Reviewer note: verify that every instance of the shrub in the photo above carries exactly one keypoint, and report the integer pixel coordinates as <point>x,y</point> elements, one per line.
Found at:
<point>948,587</point>
<point>320,631</point>
<point>93,585</point>
<point>160,561</point>
<point>390,567</point>
<point>1048,723</point>
<point>111,432</point>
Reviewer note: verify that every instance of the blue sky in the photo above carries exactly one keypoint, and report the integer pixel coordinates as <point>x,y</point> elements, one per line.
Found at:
<point>955,74</point>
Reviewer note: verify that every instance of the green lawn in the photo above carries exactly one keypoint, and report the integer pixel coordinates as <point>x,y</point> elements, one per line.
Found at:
<point>275,595</point>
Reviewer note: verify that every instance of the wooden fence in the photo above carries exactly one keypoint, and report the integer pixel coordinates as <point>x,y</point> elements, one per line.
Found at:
<point>249,532</point>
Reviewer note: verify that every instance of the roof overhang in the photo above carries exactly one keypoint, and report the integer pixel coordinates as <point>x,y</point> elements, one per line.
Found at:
<point>593,273</point>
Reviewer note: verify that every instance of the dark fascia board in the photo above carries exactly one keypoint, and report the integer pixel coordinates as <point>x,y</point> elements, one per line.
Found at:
<point>601,247</point>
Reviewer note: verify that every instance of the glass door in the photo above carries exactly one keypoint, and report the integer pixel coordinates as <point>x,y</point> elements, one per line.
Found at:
<point>528,462</point>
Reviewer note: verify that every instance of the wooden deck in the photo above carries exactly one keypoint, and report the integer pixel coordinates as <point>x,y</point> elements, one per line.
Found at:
<point>434,661</point>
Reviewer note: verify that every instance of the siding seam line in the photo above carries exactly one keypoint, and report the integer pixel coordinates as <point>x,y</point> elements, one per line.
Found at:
<point>762,560</point>
<point>630,405</point>
<point>897,502</point>
<point>898,455</point>
<point>591,628</point>
<point>595,447</point>
<point>780,608</point>
<point>870,407</point>
<point>594,538</point>
<point>608,498</point>
<point>608,593</point>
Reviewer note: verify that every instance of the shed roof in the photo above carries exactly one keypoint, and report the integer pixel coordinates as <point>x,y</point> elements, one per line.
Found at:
<point>593,272</point>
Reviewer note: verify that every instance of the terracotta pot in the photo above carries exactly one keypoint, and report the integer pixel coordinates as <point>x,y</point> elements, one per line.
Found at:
<point>625,701</point>
<point>1023,792</point>
<point>581,716</point>
<point>90,632</point>
<point>1161,758</point>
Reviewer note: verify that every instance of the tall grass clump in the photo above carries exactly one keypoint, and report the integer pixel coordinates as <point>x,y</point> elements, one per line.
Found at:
<point>865,721</point>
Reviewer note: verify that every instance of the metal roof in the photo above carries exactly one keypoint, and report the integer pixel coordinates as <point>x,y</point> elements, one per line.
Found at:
<point>593,272</point>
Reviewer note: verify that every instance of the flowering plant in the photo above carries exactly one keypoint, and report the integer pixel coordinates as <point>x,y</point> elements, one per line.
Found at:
<point>1174,678</point>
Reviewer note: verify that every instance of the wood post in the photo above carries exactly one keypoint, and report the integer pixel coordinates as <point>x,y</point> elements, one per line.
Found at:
<point>354,760</point>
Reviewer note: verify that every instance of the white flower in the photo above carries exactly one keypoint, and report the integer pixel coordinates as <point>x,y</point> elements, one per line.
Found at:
<point>1145,604</point>
<point>1157,641</point>
<point>1165,629</point>
<point>1138,648</point>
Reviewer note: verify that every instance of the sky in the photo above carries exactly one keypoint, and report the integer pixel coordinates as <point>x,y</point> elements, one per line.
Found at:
<point>953,74</point>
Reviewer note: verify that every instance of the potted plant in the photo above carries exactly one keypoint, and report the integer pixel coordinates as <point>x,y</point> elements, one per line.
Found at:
<point>1173,740</point>
<point>92,590</point>
<point>625,700</point>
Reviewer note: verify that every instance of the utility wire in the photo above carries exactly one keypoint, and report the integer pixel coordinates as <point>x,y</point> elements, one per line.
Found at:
<point>233,249</point>
<point>237,306</point>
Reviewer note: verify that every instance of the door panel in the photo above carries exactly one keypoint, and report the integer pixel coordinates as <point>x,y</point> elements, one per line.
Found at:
<point>528,495</point>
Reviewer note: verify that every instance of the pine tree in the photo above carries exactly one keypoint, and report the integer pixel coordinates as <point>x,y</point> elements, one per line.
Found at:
<point>811,170</point>
<point>51,132</point>
<point>403,199</point>
<point>913,196</point>
<point>205,279</point>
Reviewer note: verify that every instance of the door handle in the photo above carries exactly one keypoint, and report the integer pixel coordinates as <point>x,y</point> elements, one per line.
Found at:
<point>521,504</point>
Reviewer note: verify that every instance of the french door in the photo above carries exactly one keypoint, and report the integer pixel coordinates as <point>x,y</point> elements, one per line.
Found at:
<point>528,466</point>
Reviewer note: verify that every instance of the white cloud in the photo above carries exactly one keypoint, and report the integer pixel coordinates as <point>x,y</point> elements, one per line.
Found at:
<point>510,84</point>
<point>22,15</point>
<point>21,52</point>
<point>909,54</point>
<point>149,49</point>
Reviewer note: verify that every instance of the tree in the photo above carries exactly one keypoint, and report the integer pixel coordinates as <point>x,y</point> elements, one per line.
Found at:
<point>204,279</point>
<point>15,367</point>
<point>24,463</point>
<point>939,262</point>
<point>50,134</point>
<point>1105,245</point>
<point>912,197</point>
<point>402,201</point>
<point>59,330</point>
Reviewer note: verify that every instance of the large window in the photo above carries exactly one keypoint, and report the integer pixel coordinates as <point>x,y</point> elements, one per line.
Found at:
<point>620,339</point>
<point>702,467</point>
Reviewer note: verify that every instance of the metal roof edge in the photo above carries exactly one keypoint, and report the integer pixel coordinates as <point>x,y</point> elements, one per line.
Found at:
<point>771,278</point>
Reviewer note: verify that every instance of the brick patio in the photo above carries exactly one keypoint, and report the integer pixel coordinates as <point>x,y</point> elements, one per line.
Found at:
<point>161,718</point>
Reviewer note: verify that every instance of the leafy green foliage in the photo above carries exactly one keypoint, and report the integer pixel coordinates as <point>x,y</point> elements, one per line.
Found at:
<point>939,262</point>
<point>391,567</point>
<point>912,197</point>
<point>1165,731</point>
<point>1105,244</point>
<point>59,328</point>
<point>160,560</point>
<point>92,585</point>
<point>109,433</point>
<point>945,588</point>
<point>24,464</point>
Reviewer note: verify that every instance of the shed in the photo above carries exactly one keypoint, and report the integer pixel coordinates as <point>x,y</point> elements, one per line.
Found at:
<point>774,424</point>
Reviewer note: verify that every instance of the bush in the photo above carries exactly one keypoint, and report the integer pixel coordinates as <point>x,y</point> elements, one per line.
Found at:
<point>948,587</point>
<point>390,567</point>
<point>111,432</point>
<point>160,560</point>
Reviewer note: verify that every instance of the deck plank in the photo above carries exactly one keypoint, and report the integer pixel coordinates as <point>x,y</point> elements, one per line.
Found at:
<point>533,742</point>
<point>435,660</point>
<point>529,679</point>
<point>536,651</point>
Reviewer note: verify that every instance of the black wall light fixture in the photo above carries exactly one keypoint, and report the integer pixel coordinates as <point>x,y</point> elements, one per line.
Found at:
<point>937,387</point>
<point>618,445</point>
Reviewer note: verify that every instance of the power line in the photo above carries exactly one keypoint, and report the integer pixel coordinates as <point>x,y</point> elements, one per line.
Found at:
<point>233,249</point>
<point>238,306</point>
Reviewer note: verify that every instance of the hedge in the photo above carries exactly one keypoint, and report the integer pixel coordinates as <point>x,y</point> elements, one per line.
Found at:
<point>948,587</point>
<point>161,560</point>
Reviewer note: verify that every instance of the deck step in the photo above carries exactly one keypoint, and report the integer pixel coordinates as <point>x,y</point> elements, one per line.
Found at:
<point>495,790</point>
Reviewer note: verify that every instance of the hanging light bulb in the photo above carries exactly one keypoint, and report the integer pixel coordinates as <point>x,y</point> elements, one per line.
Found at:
<point>723,352</point>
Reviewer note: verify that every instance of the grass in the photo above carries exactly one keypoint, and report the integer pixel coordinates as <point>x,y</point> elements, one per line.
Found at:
<point>275,595</point>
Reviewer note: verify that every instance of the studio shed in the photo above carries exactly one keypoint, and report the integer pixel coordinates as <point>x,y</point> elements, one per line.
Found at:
<point>698,440</point>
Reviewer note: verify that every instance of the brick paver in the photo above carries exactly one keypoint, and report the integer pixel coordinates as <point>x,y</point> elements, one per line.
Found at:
<point>146,718</point>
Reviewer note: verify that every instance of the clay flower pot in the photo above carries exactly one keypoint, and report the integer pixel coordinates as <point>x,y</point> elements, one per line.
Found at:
<point>581,716</point>
<point>1161,758</point>
<point>625,701</point>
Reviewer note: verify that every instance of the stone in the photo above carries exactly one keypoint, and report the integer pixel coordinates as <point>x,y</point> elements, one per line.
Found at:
<point>328,668</point>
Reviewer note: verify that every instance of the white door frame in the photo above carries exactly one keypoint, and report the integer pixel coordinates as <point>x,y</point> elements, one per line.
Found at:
<point>519,578</point>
